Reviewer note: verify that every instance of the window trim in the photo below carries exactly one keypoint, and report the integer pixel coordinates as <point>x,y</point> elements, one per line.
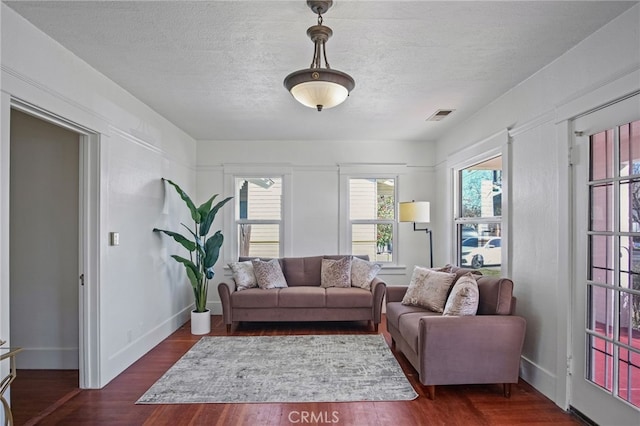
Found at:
<point>498,144</point>
<point>231,246</point>
<point>345,243</point>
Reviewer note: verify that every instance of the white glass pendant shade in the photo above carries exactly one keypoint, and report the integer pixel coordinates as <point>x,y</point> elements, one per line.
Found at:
<point>319,88</point>
<point>319,93</point>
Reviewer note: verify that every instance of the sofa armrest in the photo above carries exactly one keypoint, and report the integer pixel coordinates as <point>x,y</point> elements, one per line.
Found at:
<point>470,349</point>
<point>224,291</point>
<point>396,293</point>
<point>378,288</point>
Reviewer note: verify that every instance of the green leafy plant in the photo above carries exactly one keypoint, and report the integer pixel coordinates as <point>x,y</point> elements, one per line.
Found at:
<point>203,250</point>
<point>385,211</point>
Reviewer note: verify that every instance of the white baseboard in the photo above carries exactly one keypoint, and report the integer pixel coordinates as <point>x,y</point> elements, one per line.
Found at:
<point>543,380</point>
<point>215,307</point>
<point>119,361</point>
<point>47,359</point>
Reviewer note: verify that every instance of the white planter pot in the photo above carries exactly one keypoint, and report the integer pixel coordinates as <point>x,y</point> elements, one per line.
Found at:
<point>200,322</point>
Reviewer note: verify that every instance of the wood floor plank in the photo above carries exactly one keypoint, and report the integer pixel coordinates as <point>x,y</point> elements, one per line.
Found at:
<point>115,404</point>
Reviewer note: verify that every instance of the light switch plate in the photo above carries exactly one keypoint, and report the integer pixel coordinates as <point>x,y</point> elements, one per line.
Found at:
<point>114,238</point>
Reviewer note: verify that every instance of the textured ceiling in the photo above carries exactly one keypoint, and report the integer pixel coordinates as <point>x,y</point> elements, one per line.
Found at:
<point>215,69</point>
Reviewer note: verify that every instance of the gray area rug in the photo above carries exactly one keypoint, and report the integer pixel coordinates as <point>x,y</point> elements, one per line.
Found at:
<point>325,368</point>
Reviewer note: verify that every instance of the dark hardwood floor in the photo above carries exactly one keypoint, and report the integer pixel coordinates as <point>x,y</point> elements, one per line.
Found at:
<point>51,398</point>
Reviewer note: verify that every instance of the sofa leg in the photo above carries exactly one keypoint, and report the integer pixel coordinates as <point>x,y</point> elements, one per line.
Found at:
<point>431,392</point>
<point>375,327</point>
<point>393,344</point>
<point>506,388</point>
<point>228,328</point>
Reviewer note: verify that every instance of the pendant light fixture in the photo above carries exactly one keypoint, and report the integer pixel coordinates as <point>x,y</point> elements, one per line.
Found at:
<point>319,87</point>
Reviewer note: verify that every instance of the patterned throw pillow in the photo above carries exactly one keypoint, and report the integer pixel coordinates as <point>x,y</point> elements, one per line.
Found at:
<point>243,275</point>
<point>336,273</point>
<point>464,297</point>
<point>363,272</point>
<point>428,289</point>
<point>446,268</point>
<point>269,274</point>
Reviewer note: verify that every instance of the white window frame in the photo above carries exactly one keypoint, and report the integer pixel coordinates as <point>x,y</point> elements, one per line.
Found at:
<point>231,174</point>
<point>458,220</point>
<point>345,216</point>
<point>491,147</point>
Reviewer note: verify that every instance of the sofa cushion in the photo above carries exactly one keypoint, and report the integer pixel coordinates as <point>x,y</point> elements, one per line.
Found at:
<point>301,297</point>
<point>243,274</point>
<point>396,309</point>
<point>363,272</point>
<point>302,270</point>
<point>350,297</point>
<point>336,273</point>
<point>254,298</point>
<point>409,327</point>
<point>495,295</point>
<point>428,289</point>
<point>268,274</point>
<point>464,297</point>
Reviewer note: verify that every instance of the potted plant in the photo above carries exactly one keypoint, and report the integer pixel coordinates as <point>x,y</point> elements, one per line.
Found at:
<point>203,254</point>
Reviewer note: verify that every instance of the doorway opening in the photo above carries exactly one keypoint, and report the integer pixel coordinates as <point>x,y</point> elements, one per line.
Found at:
<point>54,198</point>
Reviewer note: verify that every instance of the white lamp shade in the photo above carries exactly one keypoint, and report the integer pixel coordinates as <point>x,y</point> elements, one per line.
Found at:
<point>314,93</point>
<point>415,211</point>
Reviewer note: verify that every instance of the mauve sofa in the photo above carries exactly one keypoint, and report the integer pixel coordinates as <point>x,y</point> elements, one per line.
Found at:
<point>304,299</point>
<point>451,350</point>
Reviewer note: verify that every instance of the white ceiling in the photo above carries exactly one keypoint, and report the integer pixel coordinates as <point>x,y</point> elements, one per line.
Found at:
<point>215,69</point>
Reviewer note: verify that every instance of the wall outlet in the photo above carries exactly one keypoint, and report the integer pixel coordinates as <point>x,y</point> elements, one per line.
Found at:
<point>114,238</point>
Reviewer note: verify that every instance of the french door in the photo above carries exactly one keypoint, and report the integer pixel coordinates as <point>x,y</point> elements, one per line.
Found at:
<point>605,373</point>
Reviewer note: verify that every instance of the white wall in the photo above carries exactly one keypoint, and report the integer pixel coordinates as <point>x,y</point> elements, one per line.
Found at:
<point>142,294</point>
<point>601,68</point>
<point>44,243</point>
<point>315,169</point>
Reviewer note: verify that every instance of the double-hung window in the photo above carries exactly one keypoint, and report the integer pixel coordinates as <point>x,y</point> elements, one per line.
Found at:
<point>258,221</point>
<point>372,217</point>
<point>479,218</point>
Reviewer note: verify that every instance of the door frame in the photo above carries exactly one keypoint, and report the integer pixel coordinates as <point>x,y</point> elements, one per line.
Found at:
<point>88,244</point>
<point>618,87</point>
<point>581,127</point>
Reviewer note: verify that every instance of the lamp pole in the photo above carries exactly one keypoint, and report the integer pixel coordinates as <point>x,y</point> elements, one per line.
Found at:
<point>428,231</point>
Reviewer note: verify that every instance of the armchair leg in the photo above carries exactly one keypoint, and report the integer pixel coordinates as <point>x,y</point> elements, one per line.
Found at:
<point>393,344</point>
<point>228,328</point>
<point>375,327</point>
<point>506,388</point>
<point>431,392</point>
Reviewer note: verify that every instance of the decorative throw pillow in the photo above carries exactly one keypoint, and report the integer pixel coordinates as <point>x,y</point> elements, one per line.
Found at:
<point>336,273</point>
<point>464,297</point>
<point>428,289</point>
<point>446,268</point>
<point>243,275</point>
<point>363,272</point>
<point>268,274</point>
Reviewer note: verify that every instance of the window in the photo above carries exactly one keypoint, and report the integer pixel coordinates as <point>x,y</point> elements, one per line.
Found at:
<point>479,222</point>
<point>259,216</point>
<point>372,217</point>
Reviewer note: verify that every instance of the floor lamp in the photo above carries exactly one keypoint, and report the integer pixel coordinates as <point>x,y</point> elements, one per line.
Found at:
<point>418,212</point>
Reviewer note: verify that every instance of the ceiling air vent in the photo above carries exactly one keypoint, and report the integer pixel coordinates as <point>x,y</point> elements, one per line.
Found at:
<point>440,114</point>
